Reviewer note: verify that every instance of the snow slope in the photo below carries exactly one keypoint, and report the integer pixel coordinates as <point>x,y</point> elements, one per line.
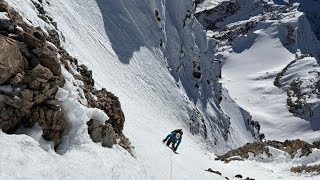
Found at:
<point>121,42</point>
<point>256,41</point>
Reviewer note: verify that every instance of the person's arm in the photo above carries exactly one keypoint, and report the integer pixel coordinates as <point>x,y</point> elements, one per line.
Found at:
<point>166,138</point>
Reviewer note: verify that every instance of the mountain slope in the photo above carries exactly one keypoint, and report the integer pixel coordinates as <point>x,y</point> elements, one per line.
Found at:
<point>270,62</point>
<point>161,86</point>
<point>161,67</point>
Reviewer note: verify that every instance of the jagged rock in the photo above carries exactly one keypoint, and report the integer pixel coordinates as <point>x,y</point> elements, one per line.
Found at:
<point>45,93</point>
<point>7,25</point>
<point>54,37</point>
<point>11,59</point>
<point>9,119</point>
<point>110,104</point>
<point>3,6</point>
<point>13,36</point>
<point>24,50</point>
<point>256,148</point>
<point>238,176</point>
<point>247,178</point>
<point>51,122</point>
<point>41,73</point>
<point>315,169</point>
<point>292,147</point>
<point>125,142</point>
<point>213,171</point>
<point>31,82</point>
<point>27,94</point>
<point>108,136</point>
<point>49,59</point>
<point>15,16</point>
<point>17,79</point>
<point>11,112</point>
<point>95,130</point>
<point>31,41</point>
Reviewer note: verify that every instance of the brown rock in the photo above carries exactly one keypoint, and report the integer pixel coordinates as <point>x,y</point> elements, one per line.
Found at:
<point>213,171</point>
<point>17,79</point>
<point>31,41</point>
<point>13,36</point>
<point>51,122</point>
<point>49,60</point>
<point>3,6</point>
<point>95,130</point>
<point>27,94</point>
<point>11,59</point>
<point>9,119</point>
<point>41,73</point>
<point>108,136</point>
<point>54,37</point>
<point>7,25</point>
<point>24,50</point>
<point>43,96</point>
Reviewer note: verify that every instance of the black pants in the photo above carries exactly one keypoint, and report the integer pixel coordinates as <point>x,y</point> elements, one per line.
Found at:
<point>169,142</point>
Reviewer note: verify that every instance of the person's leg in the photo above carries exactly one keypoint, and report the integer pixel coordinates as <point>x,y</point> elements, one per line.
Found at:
<point>169,142</point>
<point>173,146</point>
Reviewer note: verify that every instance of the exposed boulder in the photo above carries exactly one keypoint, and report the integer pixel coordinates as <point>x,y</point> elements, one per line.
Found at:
<point>31,41</point>
<point>3,6</point>
<point>54,37</point>
<point>213,171</point>
<point>94,130</point>
<point>315,169</point>
<point>11,59</point>
<point>292,147</point>
<point>42,74</point>
<point>7,25</point>
<point>110,104</point>
<point>9,117</point>
<point>49,59</point>
<point>17,79</point>
<point>51,122</point>
<point>108,136</point>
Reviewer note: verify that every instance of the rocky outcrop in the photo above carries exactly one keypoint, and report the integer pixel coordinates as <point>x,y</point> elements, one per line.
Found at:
<point>292,147</point>
<point>31,75</point>
<point>315,169</point>
<point>11,59</point>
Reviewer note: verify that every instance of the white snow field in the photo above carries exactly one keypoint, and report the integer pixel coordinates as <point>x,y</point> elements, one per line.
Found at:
<point>251,65</point>
<point>120,41</point>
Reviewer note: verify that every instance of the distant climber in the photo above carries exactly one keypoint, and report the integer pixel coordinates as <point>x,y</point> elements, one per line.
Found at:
<point>174,138</point>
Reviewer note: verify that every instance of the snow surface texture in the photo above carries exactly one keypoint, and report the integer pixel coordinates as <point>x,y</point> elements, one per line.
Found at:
<point>265,37</point>
<point>121,43</point>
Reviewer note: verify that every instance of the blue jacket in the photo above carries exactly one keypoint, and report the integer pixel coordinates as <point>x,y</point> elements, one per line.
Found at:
<point>173,138</point>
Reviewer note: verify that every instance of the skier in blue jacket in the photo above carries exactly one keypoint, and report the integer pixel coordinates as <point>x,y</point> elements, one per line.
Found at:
<point>175,138</point>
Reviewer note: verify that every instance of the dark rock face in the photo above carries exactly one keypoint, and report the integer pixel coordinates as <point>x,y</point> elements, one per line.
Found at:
<point>11,59</point>
<point>211,17</point>
<point>32,74</point>
<point>110,104</point>
<point>30,69</point>
<point>315,169</point>
<point>103,133</point>
<point>108,135</point>
<point>94,130</point>
<point>51,122</point>
<point>213,171</point>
